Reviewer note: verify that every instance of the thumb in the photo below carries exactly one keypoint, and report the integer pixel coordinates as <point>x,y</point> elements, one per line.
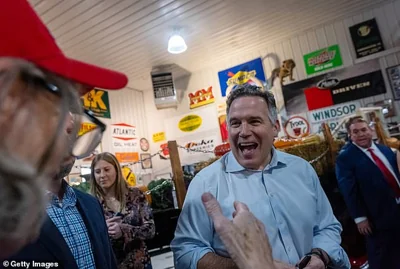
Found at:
<point>240,207</point>
<point>212,206</point>
<point>221,224</point>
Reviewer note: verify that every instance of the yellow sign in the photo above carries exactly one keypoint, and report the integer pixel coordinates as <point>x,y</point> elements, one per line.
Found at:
<point>241,77</point>
<point>86,127</point>
<point>157,137</point>
<point>190,123</point>
<point>129,176</point>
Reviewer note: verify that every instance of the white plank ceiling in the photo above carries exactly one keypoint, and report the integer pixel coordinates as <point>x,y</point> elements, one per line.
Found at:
<point>131,35</point>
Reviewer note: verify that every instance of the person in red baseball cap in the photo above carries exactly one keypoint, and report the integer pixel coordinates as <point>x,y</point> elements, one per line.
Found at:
<point>40,115</point>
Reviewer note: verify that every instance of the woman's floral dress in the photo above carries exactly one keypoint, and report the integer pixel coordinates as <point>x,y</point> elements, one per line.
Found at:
<point>137,225</point>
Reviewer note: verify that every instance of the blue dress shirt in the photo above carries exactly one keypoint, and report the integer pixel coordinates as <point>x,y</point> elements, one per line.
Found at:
<point>286,196</point>
<point>68,220</point>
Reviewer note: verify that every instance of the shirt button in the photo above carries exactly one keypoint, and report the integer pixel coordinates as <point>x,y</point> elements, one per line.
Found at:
<point>272,195</point>
<point>289,249</point>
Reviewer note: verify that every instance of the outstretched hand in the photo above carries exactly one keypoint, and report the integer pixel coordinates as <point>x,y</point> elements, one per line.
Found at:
<point>244,237</point>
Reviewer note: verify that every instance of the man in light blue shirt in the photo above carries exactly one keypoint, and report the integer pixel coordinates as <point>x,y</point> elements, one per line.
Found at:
<point>281,190</point>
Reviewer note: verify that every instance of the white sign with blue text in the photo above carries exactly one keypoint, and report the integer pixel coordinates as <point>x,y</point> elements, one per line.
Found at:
<point>331,115</point>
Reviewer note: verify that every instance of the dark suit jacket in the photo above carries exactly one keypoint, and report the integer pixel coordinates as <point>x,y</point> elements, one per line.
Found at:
<point>364,188</point>
<point>51,246</point>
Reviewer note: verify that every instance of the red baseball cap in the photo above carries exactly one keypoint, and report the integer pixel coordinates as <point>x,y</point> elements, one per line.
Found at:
<point>24,35</point>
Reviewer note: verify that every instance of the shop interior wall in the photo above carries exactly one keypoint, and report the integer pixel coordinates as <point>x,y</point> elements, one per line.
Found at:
<point>126,106</point>
<point>388,19</point>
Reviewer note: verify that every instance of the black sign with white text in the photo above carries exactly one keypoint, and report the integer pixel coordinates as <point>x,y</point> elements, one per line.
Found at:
<point>358,87</point>
<point>366,38</point>
<point>333,88</point>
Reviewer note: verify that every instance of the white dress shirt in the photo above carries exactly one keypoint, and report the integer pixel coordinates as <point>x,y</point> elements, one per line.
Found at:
<point>385,161</point>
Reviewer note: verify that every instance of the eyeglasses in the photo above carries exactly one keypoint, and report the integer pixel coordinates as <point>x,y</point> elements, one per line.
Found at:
<point>90,135</point>
<point>41,82</point>
<point>88,138</point>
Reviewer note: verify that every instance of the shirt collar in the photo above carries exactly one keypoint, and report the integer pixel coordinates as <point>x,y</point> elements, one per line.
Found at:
<point>373,146</point>
<point>232,165</point>
<point>69,197</point>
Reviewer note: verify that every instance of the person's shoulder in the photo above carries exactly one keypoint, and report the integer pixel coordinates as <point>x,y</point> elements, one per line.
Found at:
<point>135,192</point>
<point>210,172</point>
<point>284,156</point>
<point>212,168</point>
<point>346,151</point>
<point>86,198</point>
<point>295,163</point>
<point>383,147</point>
<point>290,159</point>
<point>84,195</point>
<point>205,180</point>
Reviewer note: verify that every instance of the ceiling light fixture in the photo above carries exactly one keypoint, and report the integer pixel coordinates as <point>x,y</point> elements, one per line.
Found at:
<point>176,44</point>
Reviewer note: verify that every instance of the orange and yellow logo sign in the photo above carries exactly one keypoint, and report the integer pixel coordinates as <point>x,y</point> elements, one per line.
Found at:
<point>201,97</point>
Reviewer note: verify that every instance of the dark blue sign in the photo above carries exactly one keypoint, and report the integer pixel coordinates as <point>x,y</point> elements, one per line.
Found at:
<point>251,72</point>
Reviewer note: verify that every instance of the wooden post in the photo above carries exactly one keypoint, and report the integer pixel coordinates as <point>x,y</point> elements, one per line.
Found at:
<point>177,172</point>
<point>331,143</point>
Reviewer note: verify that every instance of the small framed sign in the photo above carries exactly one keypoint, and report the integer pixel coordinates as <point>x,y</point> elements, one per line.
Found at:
<point>145,159</point>
<point>366,38</point>
<point>393,73</point>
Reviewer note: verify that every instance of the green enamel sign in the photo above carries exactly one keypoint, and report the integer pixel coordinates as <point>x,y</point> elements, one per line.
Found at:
<point>322,59</point>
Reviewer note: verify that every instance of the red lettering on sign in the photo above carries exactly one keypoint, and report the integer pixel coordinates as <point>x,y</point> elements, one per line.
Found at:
<point>201,96</point>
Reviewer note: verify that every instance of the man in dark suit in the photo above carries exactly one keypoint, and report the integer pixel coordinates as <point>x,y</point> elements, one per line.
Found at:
<point>74,234</point>
<point>368,178</point>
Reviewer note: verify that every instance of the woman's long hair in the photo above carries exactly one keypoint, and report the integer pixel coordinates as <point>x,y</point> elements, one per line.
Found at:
<point>120,186</point>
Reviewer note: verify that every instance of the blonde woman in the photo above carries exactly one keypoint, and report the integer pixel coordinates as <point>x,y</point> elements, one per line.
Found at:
<point>128,215</point>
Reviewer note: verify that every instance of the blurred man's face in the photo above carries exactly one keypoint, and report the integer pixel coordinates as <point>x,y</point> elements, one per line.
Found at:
<point>34,123</point>
<point>68,161</point>
<point>361,134</point>
<point>30,117</point>
<point>65,168</point>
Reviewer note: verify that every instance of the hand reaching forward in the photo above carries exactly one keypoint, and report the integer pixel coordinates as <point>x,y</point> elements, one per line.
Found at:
<point>244,237</point>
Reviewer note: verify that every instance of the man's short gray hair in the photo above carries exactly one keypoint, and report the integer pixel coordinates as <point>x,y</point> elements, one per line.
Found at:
<point>251,90</point>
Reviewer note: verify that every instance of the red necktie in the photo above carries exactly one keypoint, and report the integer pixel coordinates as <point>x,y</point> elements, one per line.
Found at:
<point>391,180</point>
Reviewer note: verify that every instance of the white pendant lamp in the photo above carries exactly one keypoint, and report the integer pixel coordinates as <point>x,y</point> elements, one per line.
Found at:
<point>176,44</point>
